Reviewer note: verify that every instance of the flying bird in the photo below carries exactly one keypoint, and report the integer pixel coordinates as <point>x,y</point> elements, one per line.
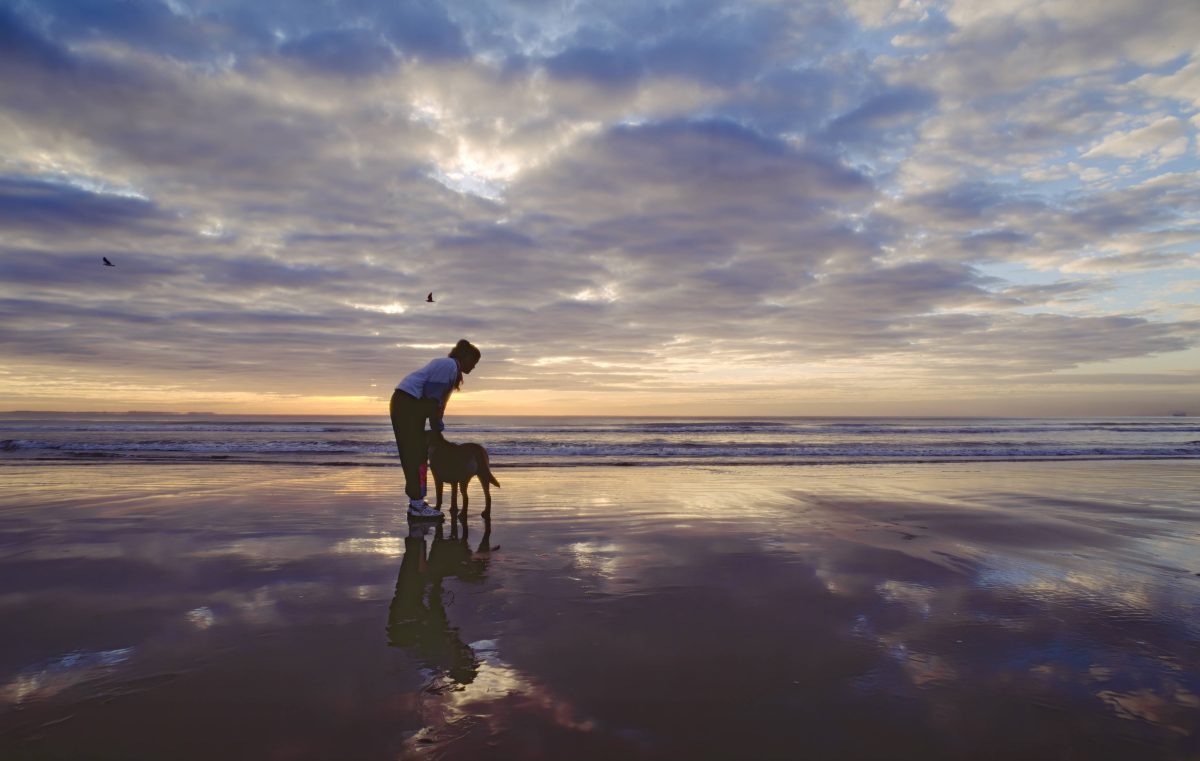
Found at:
<point>107,263</point>
<point>428,298</point>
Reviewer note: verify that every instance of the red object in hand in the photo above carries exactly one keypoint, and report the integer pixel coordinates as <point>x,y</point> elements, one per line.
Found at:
<point>424,478</point>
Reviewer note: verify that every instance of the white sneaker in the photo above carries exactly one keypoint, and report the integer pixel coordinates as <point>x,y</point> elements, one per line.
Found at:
<point>423,510</point>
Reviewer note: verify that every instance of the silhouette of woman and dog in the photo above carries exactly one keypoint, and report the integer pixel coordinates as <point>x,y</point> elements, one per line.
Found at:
<point>422,396</point>
<point>417,617</point>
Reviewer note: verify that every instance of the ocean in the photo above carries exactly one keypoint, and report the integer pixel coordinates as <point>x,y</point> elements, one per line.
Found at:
<point>576,441</point>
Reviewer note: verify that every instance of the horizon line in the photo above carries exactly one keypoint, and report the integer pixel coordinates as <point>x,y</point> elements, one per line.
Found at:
<point>202,413</point>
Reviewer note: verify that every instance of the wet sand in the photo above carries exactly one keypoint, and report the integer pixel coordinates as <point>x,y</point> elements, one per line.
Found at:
<point>1009,610</point>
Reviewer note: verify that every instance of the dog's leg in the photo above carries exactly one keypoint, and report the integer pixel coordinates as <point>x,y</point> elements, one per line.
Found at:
<point>440,483</point>
<point>485,544</point>
<point>463,486</point>
<point>487,496</point>
<point>453,497</point>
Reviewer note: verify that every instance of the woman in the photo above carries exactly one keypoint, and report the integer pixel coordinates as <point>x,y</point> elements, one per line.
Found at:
<point>423,395</point>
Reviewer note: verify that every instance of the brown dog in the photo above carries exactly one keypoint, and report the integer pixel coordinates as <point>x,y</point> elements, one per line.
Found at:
<point>456,464</point>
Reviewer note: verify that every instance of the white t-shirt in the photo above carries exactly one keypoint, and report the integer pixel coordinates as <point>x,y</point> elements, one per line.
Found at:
<point>433,381</point>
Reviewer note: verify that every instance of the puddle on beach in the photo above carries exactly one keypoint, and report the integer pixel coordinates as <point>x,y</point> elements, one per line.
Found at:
<point>1022,610</point>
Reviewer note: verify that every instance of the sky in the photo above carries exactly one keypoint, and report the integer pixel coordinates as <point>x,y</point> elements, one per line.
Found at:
<point>875,207</point>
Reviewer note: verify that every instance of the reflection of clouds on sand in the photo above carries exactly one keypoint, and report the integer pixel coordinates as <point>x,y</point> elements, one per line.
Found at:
<point>974,588</point>
<point>48,679</point>
<point>202,617</point>
<point>1137,688</point>
<point>924,669</point>
<point>917,596</point>
<point>387,546</point>
<point>600,559</point>
<point>987,664</point>
<point>64,551</point>
<point>1008,624</point>
<point>1123,593</point>
<point>261,606</point>
<point>476,712</point>
<point>370,591</point>
<point>1167,707</point>
<point>472,695</point>
<point>268,552</point>
<point>257,607</point>
<point>860,609</point>
<point>1074,593</point>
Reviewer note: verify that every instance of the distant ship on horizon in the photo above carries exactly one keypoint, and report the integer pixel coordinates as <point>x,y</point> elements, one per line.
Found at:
<point>1178,414</point>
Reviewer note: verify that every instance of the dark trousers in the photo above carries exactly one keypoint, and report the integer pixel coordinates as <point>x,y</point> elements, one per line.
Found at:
<point>408,423</point>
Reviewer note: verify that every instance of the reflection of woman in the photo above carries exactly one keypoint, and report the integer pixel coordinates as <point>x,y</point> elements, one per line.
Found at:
<point>421,396</point>
<point>423,625</point>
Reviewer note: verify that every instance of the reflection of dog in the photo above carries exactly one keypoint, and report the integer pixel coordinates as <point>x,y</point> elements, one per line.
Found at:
<point>456,464</point>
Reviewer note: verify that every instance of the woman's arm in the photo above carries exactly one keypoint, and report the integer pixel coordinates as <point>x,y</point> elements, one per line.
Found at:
<point>439,394</point>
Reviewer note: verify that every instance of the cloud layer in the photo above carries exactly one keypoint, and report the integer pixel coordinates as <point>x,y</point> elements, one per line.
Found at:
<point>684,207</point>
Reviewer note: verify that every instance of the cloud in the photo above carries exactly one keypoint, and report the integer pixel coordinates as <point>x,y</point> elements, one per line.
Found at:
<point>422,28</point>
<point>876,13</point>
<point>350,52</point>
<point>1000,46</point>
<point>698,168</point>
<point>35,204</point>
<point>1130,262</point>
<point>1183,84</point>
<point>147,24</point>
<point>602,67</point>
<point>880,114</point>
<point>658,192</point>
<point>82,269</point>
<point>1163,139</point>
<point>1033,86</point>
<point>1051,294</point>
<point>22,45</point>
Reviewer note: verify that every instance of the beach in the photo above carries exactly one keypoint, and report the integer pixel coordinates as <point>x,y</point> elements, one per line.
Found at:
<point>925,610</point>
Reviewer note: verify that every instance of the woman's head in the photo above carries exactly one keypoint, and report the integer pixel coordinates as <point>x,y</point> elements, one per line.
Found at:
<point>467,355</point>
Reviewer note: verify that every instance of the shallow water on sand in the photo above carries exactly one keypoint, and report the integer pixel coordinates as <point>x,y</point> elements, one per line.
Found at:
<point>1007,610</point>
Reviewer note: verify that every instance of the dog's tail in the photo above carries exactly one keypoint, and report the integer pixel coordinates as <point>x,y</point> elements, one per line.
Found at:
<point>486,470</point>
